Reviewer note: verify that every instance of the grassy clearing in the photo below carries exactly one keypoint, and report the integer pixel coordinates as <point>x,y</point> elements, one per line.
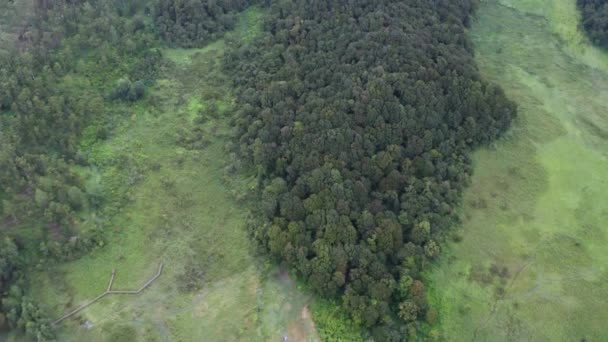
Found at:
<point>177,211</point>
<point>563,19</point>
<point>250,24</point>
<point>532,263</point>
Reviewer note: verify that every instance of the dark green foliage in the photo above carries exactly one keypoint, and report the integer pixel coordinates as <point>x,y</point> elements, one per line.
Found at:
<point>137,91</point>
<point>8,262</point>
<point>122,89</point>
<point>146,66</point>
<point>192,23</point>
<point>595,20</point>
<point>359,117</point>
<point>76,198</point>
<point>125,90</point>
<point>17,311</point>
<point>73,247</point>
<point>40,121</point>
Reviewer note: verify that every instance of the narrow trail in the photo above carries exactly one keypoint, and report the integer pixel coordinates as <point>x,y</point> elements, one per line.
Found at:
<point>109,291</point>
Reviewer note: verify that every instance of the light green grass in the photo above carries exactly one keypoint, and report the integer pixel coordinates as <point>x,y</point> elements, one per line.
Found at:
<point>184,57</point>
<point>563,18</point>
<point>250,24</point>
<point>179,212</point>
<point>333,323</point>
<point>537,203</point>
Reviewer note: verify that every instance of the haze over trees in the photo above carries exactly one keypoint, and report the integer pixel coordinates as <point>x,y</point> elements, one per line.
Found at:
<point>595,20</point>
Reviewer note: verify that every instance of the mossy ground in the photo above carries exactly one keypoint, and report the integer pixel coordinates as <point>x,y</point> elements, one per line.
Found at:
<point>532,263</point>
<point>177,210</point>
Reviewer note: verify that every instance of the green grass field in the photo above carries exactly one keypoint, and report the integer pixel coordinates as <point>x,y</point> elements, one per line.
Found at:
<point>180,209</point>
<point>532,264</point>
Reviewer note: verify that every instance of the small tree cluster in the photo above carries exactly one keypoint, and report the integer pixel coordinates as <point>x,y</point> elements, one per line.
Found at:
<point>17,311</point>
<point>127,90</point>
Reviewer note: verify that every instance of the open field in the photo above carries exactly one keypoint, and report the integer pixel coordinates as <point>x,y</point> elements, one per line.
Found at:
<point>532,263</point>
<point>178,211</point>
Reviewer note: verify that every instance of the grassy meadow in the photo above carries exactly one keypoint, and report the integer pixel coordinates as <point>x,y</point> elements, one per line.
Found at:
<point>166,160</point>
<point>529,261</point>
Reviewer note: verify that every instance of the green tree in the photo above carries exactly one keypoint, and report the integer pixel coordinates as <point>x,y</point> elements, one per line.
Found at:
<point>76,198</point>
<point>408,311</point>
<point>41,198</point>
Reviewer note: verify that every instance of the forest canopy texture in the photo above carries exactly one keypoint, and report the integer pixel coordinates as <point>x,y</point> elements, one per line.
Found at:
<point>595,20</point>
<point>192,23</point>
<point>359,117</point>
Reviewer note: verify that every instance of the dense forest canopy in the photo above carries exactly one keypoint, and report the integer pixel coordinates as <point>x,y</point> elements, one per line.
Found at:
<point>595,20</point>
<point>192,23</point>
<point>359,117</point>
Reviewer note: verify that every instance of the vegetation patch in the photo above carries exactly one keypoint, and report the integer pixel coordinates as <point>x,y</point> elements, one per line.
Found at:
<point>334,324</point>
<point>196,23</point>
<point>359,127</point>
<point>532,217</point>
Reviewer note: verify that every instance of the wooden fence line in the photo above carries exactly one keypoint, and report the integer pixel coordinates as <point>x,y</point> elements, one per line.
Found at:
<point>109,291</point>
